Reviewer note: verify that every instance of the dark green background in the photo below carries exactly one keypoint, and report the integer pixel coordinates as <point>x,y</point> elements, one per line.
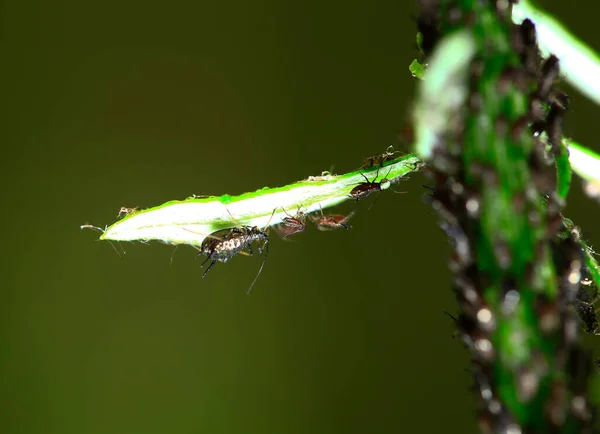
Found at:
<point>110,104</point>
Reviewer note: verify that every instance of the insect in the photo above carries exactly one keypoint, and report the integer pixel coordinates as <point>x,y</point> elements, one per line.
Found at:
<point>379,159</point>
<point>550,70</point>
<point>291,225</point>
<point>224,244</point>
<point>332,221</point>
<point>364,189</point>
<point>124,211</point>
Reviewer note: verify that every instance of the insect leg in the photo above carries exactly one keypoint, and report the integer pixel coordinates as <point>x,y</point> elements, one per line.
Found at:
<point>271,218</point>
<point>373,204</point>
<point>348,217</point>
<point>266,247</point>
<point>367,179</point>
<point>209,267</point>
<point>208,258</point>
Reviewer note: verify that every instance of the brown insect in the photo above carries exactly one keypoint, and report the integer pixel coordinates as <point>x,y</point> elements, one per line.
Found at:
<point>292,224</point>
<point>364,189</point>
<point>332,222</point>
<point>124,211</point>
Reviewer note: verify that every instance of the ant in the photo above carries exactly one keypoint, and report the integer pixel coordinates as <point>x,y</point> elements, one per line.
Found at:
<point>332,221</point>
<point>291,225</point>
<point>224,244</point>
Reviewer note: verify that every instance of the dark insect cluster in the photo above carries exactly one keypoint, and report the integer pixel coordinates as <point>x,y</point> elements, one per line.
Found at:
<point>460,193</point>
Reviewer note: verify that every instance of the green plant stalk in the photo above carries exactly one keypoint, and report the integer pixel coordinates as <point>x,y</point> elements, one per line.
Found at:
<point>517,338</point>
<point>491,197</point>
<point>190,221</point>
<point>579,63</point>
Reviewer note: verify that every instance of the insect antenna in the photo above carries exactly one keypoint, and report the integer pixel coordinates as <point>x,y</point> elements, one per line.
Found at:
<point>96,228</point>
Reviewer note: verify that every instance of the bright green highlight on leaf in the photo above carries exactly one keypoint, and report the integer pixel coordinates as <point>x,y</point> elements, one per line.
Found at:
<point>417,69</point>
<point>190,221</point>
<point>578,62</point>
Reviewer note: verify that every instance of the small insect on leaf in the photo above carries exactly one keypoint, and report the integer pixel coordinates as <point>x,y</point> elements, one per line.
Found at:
<point>332,222</point>
<point>365,189</point>
<point>224,244</point>
<point>124,212</point>
<point>291,224</point>
<point>380,159</point>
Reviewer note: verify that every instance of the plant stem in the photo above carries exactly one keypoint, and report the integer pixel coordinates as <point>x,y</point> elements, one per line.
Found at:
<point>500,201</point>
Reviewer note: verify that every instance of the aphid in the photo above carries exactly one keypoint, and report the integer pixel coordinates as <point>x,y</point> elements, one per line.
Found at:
<point>332,222</point>
<point>549,72</point>
<point>379,159</point>
<point>291,225</point>
<point>224,244</point>
<point>124,211</point>
<point>365,189</point>
<point>529,53</point>
<point>554,127</point>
